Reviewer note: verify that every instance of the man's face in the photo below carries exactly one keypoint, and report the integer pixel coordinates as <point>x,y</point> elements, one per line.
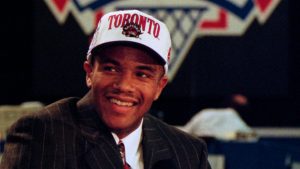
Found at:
<point>124,82</point>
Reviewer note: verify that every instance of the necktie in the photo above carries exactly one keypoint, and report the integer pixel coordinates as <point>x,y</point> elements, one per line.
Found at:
<point>122,152</point>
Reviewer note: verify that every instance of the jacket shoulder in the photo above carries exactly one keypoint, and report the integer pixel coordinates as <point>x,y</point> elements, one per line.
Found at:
<point>172,133</point>
<point>187,149</point>
<point>38,138</point>
<point>59,111</point>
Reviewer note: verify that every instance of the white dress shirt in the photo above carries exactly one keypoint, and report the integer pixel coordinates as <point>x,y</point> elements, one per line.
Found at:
<point>133,148</point>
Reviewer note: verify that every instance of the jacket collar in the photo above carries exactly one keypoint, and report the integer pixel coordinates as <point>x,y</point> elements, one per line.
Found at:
<point>100,148</point>
<point>157,152</point>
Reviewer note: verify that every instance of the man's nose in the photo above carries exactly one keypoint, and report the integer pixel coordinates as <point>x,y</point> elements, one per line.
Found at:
<point>124,82</point>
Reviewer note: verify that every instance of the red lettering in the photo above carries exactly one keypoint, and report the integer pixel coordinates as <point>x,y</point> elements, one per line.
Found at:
<point>134,19</point>
<point>118,19</point>
<point>110,21</point>
<point>151,22</point>
<point>169,55</point>
<point>121,20</point>
<point>143,22</point>
<point>126,19</point>
<point>156,30</point>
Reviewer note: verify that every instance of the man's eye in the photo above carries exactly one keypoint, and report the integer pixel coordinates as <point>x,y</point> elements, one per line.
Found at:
<point>143,75</point>
<point>109,68</point>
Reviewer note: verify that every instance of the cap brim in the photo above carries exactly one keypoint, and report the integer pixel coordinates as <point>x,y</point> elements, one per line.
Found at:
<point>153,53</point>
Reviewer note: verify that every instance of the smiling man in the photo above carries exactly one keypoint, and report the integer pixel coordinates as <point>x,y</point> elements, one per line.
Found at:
<point>124,81</point>
<point>109,128</point>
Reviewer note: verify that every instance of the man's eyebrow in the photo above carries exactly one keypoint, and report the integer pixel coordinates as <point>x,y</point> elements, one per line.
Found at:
<point>108,60</point>
<point>147,68</point>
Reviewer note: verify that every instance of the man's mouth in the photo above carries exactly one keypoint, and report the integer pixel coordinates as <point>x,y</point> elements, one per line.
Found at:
<point>121,103</point>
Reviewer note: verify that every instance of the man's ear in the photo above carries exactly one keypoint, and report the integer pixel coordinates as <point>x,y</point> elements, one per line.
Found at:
<point>89,71</point>
<point>161,85</point>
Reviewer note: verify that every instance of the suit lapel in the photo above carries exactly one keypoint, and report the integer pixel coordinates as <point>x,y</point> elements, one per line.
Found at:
<point>157,153</point>
<point>100,150</point>
<point>102,155</point>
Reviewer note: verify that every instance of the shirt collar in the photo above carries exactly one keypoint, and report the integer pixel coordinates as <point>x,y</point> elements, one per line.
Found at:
<point>132,144</point>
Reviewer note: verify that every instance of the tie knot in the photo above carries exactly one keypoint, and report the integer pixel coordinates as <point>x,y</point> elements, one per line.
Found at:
<point>121,149</point>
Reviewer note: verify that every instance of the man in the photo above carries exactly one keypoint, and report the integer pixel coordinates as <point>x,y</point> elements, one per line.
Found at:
<point>109,128</point>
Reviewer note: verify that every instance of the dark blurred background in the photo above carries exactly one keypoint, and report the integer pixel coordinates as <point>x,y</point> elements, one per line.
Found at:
<point>42,61</point>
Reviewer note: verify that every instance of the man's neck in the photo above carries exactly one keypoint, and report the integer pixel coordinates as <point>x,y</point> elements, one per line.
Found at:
<point>124,133</point>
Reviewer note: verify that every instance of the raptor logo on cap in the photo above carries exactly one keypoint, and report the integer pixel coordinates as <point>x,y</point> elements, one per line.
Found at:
<point>132,30</point>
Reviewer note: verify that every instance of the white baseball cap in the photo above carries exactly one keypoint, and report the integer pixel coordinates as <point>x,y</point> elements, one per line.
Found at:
<point>133,26</point>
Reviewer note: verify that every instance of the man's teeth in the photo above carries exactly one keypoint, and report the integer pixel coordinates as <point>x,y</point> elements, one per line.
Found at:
<point>120,103</point>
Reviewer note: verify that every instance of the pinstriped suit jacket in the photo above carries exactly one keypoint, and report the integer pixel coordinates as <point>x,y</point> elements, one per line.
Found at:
<point>68,134</point>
